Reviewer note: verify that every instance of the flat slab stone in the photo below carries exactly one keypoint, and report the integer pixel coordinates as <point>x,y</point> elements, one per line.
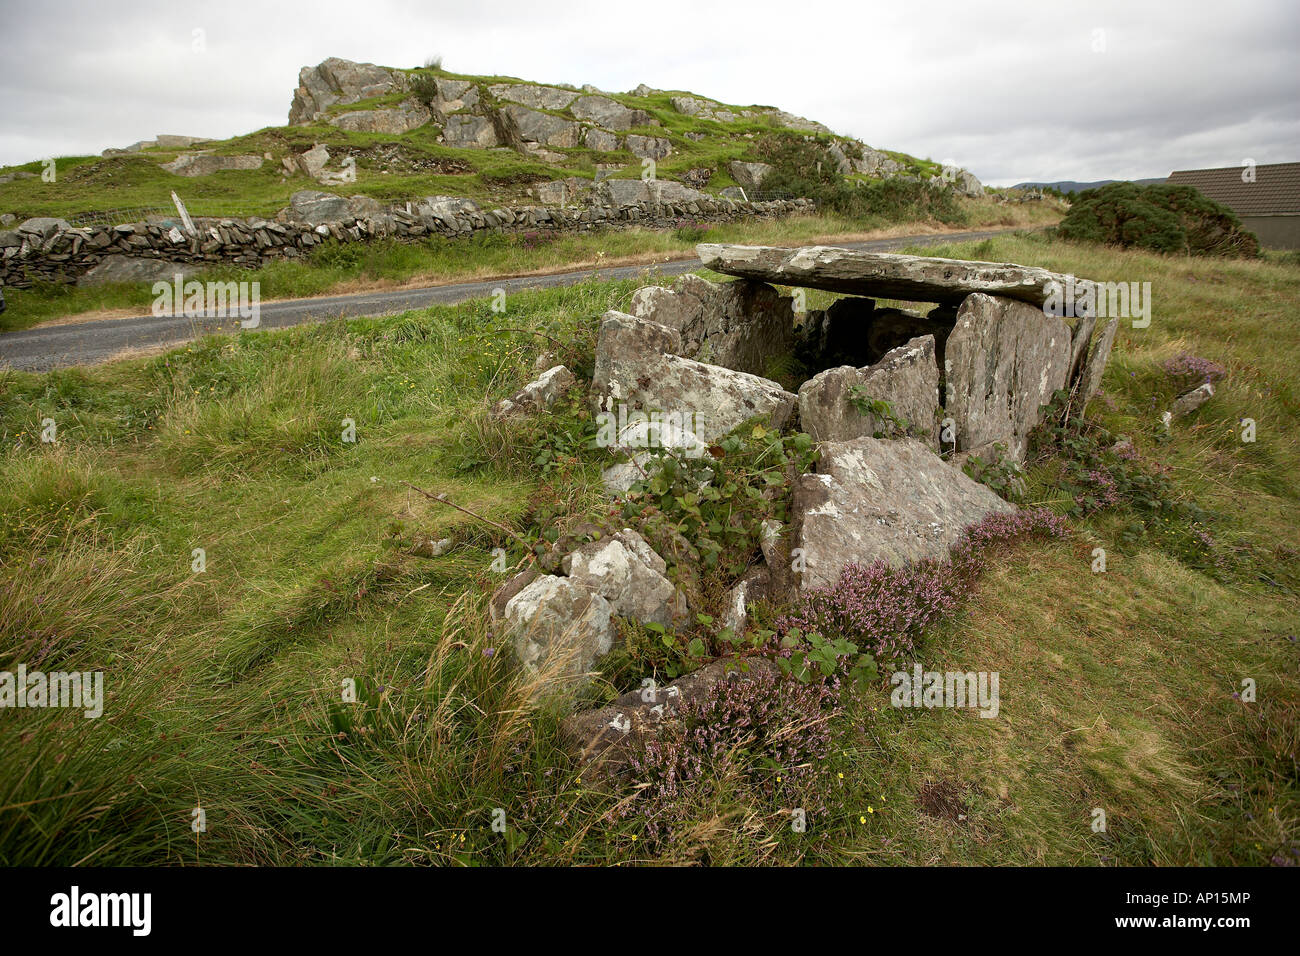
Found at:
<point>881,274</point>
<point>880,500</point>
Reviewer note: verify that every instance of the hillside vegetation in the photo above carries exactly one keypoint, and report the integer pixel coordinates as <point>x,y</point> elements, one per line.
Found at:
<point>1120,690</point>
<point>405,166</point>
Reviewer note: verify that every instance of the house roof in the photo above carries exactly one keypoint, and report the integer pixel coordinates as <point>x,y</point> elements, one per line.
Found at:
<point>1275,191</point>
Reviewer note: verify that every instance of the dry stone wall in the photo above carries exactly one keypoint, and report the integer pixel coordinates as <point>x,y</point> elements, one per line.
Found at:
<point>52,250</point>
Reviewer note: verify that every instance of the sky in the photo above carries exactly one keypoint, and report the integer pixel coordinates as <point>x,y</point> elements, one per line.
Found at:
<point>1012,91</point>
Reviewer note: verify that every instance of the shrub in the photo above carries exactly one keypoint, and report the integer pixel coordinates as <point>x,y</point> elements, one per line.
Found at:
<point>804,167</point>
<point>1189,370</point>
<point>1161,218</point>
<point>768,734</point>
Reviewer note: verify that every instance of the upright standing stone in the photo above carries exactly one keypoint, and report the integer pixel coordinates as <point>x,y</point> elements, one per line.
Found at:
<point>907,378</point>
<point>1003,361</point>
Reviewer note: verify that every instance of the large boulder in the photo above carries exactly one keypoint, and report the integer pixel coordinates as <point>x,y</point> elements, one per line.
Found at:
<point>635,192</point>
<point>878,500</point>
<point>968,185</point>
<point>338,81</point>
<point>532,95</point>
<point>191,164</point>
<point>647,147</point>
<point>605,112</point>
<point>40,228</point>
<point>445,209</point>
<point>395,121</point>
<point>475,132</point>
<point>534,127</point>
<point>716,399</point>
<point>316,208</point>
<point>881,274</point>
<point>312,162</point>
<point>624,345</point>
<point>1003,360</point>
<point>602,141</point>
<point>907,378</point>
<point>739,325</point>
<point>635,367</point>
<point>626,572</point>
<point>559,627</point>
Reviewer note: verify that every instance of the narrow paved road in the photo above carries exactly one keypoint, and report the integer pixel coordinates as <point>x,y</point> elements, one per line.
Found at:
<point>85,343</point>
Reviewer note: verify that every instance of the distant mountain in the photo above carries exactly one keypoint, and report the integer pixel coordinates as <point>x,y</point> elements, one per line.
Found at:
<point>1069,186</point>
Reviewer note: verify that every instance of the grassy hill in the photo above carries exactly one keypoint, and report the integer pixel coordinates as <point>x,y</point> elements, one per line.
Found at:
<point>409,165</point>
<point>1120,690</point>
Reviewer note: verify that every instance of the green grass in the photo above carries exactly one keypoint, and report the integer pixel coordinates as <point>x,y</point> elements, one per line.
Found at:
<point>347,267</point>
<point>223,687</point>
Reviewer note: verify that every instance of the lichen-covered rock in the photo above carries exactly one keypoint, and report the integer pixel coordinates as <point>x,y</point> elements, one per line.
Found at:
<point>625,571</point>
<point>907,378</point>
<point>605,112</point>
<point>647,147</point>
<point>544,128</point>
<point>749,175</point>
<point>881,274</point>
<point>543,392</point>
<point>623,344</point>
<point>532,95</point>
<point>559,627</point>
<point>878,500</point>
<point>738,325</point>
<point>716,399</point>
<point>395,121</point>
<point>475,132</point>
<point>603,141</point>
<point>632,192</point>
<point>1002,362</point>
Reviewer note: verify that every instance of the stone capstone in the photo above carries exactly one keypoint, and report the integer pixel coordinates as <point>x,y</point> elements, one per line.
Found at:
<point>881,274</point>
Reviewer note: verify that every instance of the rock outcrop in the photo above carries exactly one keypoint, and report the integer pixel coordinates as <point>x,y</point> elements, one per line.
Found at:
<point>335,81</point>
